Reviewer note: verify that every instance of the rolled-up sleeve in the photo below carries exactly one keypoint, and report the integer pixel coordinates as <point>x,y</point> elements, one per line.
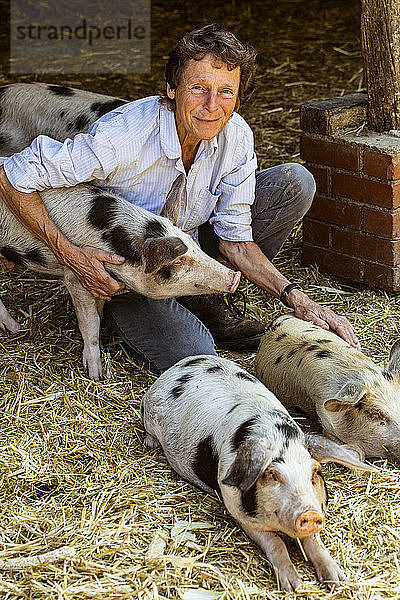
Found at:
<point>232,214</point>
<point>47,163</point>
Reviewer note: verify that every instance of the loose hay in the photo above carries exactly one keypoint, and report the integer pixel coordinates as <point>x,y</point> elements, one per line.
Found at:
<point>74,469</point>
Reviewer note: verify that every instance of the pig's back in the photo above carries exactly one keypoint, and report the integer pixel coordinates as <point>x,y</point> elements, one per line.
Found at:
<point>88,216</point>
<point>198,404</point>
<point>303,364</point>
<point>32,109</point>
<point>69,209</point>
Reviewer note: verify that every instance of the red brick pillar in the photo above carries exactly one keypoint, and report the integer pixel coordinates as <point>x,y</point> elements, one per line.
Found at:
<point>353,227</point>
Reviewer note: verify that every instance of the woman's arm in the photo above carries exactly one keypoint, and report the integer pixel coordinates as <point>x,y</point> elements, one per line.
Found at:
<point>87,263</point>
<point>252,262</point>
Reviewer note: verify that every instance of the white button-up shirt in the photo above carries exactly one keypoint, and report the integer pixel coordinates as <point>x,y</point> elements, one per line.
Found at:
<point>134,151</point>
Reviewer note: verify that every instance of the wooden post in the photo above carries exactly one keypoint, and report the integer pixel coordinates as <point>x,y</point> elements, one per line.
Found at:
<point>380,35</point>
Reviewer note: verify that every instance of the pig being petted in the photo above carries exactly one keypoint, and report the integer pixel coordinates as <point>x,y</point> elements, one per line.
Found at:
<point>161,261</point>
<point>225,432</point>
<point>319,374</point>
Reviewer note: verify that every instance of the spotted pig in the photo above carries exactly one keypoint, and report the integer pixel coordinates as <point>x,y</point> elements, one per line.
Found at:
<point>31,109</point>
<point>222,430</point>
<point>319,374</point>
<point>161,260</point>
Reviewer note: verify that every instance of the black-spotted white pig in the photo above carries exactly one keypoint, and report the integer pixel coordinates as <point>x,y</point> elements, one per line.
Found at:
<point>161,260</point>
<point>31,109</point>
<point>226,433</point>
<point>318,373</point>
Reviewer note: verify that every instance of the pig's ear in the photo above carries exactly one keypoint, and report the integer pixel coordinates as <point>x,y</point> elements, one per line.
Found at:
<point>347,396</point>
<point>252,459</point>
<point>324,450</point>
<point>393,367</point>
<point>161,251</point>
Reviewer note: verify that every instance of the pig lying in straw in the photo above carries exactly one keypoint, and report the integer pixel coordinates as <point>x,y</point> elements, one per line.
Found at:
<point>318,373</point>
<point>161,260</point>
<point>223,431</point>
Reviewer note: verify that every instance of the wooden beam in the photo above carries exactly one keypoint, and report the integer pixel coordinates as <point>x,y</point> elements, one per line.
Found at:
<point>380,36</point>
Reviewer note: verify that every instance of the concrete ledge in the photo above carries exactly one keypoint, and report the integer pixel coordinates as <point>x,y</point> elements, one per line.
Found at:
<point>329,116</point>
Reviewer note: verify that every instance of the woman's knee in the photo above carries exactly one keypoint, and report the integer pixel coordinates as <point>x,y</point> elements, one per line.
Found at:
<point>305,179</point>
<point>158,332</point>
<point>287,184</point>
<point>300,185</point>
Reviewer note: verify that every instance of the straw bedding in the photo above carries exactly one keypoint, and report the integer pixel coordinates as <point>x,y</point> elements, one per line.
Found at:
<point>86,511</point>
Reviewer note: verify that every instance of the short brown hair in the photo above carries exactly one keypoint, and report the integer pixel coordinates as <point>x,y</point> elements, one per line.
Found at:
<point>222,44</point>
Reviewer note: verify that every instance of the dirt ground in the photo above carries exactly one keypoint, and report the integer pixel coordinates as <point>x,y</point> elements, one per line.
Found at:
<point>74,471</point>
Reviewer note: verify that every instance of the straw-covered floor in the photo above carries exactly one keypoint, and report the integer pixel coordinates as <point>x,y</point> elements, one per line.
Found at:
<point>76,478</point>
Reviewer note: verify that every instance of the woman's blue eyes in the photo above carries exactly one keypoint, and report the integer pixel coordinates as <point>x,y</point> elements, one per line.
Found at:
<point>200,89</point>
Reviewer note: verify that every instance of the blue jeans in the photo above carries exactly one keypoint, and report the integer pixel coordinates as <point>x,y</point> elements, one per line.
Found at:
<point>161,332</point>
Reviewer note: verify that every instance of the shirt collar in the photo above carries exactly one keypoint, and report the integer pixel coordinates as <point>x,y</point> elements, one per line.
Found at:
<point>207,147</point>
<point>170,140</point>
<point>168,133</point>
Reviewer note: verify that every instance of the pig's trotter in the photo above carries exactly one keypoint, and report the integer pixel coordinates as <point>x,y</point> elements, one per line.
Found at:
<point>150,441</point>
<point>87,311</point>
<point>92,362</point>
<point>327,569</point>
<point>7,323</point>
<point>277,554</point>
<point>289,580</point>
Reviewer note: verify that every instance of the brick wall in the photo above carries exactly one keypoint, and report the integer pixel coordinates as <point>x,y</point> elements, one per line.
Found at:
<point>353,227</point>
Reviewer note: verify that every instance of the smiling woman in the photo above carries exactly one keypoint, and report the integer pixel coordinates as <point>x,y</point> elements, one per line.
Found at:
<point>205,99</point>
<point>192,156</point>
<point>223,45</point>
<point>209,73</point>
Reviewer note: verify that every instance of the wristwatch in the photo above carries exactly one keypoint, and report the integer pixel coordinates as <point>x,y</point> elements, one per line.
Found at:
<point>286,291</point>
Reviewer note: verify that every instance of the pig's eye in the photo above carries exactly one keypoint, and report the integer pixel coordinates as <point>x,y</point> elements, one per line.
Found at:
<point>270,476</point>
<point>376,415</point>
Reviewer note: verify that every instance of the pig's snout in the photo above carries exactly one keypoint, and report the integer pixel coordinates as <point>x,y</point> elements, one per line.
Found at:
<point>235,282</point>
<point>220,282</point>
<point>310,522</point>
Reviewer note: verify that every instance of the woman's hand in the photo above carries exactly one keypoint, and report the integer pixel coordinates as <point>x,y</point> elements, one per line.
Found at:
<point>308,310</point>
<point>87,264</point>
